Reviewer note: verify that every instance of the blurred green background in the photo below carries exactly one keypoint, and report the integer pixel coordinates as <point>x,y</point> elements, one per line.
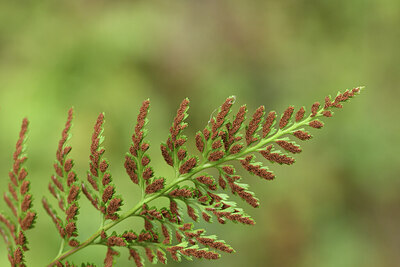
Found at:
<point>339,205</point>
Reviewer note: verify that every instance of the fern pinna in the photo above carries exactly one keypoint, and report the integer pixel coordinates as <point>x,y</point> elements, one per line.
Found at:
<point>194,193</point>
<point>19,200</point>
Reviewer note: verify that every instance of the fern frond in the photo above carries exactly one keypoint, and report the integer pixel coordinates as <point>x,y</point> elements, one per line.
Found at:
<point>137,160</point>
<point>103,197</point>
<point>194,192</point>
<point>19,200</point>
<point>174,151</point>
<point>65,189</point>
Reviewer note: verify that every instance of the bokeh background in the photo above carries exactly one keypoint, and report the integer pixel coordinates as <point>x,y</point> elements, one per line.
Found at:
<point>339,205</point>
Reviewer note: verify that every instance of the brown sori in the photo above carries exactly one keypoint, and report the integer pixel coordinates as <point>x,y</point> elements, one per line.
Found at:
<point>286,117</point>
<point>276,157</point>
<point>219,120</point>
<point>256,169</point>
<point>235,126</point>
<point>254,125</point>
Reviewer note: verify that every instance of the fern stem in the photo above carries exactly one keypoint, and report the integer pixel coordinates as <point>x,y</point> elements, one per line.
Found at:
<point>140,172</point>
<point>132,212</point>
<point>61,247</point>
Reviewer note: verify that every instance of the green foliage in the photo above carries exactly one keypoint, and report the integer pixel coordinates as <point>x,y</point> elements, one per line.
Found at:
<point>166,231</point>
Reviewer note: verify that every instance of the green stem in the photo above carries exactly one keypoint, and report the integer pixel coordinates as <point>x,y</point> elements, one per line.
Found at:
<point>140,174</point>
<point>60,251</point>
<point>180,179</point>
